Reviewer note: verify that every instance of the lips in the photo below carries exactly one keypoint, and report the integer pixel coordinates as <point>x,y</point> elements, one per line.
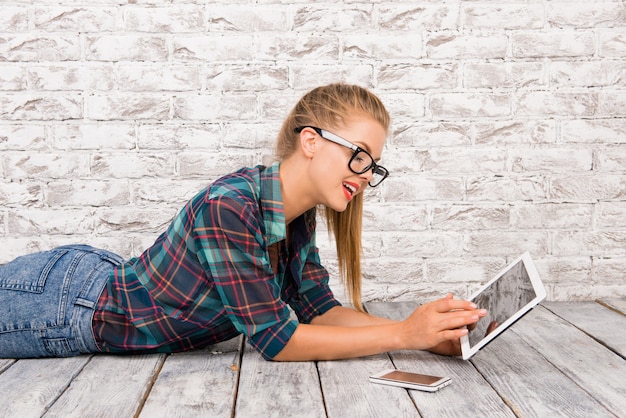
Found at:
<point>350,189</point>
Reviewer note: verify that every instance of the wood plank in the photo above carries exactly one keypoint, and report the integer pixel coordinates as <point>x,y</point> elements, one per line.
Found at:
<point>30,386</point>
<point>273,389</point>
<point>597,370</point>
<point>198,383</point>
<point>618,305</point>
<point>596,320</point>
<point>110,385</point>
<point>348,392</point>
<point>529,383</point>
<point>6,363</point>
<point>468,385</point>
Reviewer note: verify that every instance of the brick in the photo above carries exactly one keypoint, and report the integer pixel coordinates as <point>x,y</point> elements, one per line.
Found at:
<point>243,18</point>
<point>594,243</point>
<point>128,106</point>
<point>611,159</point>
<point>503,75</point>
<point>463,270</point>
<point>502,16</point>
<point>12,78</point>
<point>552,44</point>
<point>602,131</point>
<point>455,45</point>
<point>20,194</point>
<point>150,77</point>
<point>552,216</point>
<point>550,159</point>
<point>248,136</point>
<point>418,76</point>
<point>306,77</point>
<point>415,18</point>
<point>609,272</point>
<point>403,105</point>
<point>169,191</point>
<point>176,136</point>
<point>75,19</point>
<point>511,244</point>
<point>213,47</point>
<point>468,217</point>
<point>100,136</point>
<point>131,165</point>
<point>247,77</point>
<point>288,46</point>
<point>612,43</point>
<point>198,164</point>
<point>382,47</point>
<point>134,220</point>
<point>515,132</point>
<point>555,104</point>
<point>432,134</point>
<point>47,221</point>
<point>126,47</point>
<point>610,215</point>
<point>341,18</point>
<point>587,188</point>
<point>588,74</point>
<point>464,105</point>
<point>44,165</point>
<point>394,217</point>
<point>612,103</point>
<point>39,47</point>
<point>416,188</point>
<point>564,271</point>
<point>586,15</point>
<point>72,76</point>
<point>422,244</point>
<point>22,137</point>
<point>14,19</point>
<point>172,18</point>
<point>83,193</point>
<point>215,107</point>
<point>33,106</point>
<point>507,189</point>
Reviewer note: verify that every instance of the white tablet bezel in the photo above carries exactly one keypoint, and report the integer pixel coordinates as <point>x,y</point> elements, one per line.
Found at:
<point>540,294</point>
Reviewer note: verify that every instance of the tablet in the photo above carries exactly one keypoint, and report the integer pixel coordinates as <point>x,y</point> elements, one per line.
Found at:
<point>507,297</point>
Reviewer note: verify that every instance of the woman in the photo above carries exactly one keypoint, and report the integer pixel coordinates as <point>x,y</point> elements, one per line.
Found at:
<point>236,257</point>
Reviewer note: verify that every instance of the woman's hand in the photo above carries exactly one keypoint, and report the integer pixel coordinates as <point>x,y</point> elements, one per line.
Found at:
<point>437,326</point>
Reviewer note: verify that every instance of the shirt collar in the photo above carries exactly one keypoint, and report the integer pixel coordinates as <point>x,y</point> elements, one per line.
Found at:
<point>272,204</point>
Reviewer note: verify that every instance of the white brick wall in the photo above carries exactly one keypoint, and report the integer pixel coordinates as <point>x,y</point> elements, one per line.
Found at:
<point>509,130</point>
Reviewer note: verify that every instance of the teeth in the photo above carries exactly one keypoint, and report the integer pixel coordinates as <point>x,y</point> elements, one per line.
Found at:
<point>349,187</point>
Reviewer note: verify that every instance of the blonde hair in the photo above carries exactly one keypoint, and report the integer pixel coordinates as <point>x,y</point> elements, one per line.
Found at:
<point>328,107</point>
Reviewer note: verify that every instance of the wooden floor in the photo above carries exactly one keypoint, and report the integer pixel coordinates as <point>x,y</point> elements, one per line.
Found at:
<point>562,359</point>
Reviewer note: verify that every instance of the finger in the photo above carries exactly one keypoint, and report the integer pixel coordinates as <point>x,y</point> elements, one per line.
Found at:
<point>445,305</point>
<point>458,319</point>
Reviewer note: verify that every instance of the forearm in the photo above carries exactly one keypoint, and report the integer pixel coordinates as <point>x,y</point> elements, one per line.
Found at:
<point>347,317</point>
<point>324,342</point>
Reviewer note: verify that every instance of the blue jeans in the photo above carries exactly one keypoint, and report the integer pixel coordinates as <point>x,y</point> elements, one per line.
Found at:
<point>47,301</point>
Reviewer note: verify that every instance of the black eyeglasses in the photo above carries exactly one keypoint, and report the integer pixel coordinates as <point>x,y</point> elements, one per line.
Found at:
<point>361,160</point>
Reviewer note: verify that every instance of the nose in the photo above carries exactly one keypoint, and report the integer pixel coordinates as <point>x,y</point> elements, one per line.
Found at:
<point>368,175</point>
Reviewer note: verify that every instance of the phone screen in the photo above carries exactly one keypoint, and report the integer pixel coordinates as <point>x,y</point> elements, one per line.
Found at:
<point>419,379</point>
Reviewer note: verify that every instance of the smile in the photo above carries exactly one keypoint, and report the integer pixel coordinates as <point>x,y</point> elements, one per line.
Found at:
<point>350,189</point>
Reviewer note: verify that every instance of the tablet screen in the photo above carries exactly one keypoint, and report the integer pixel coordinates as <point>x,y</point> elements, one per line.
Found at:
<point>502,299</point>
<point>507,297</point>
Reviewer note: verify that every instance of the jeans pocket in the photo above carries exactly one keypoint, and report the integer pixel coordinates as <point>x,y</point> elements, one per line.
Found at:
<point>28,273</point>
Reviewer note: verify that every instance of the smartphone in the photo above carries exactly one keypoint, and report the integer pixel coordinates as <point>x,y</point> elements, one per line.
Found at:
<point>410,380</point>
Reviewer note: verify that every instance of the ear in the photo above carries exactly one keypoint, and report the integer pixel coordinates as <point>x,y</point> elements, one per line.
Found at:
<point>307,142</point>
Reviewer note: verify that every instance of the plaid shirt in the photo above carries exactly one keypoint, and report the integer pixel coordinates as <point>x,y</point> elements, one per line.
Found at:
<point>222,268</point>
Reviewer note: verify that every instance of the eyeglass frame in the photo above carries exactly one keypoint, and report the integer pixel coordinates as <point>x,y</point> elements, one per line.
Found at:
<point>329,136</point>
